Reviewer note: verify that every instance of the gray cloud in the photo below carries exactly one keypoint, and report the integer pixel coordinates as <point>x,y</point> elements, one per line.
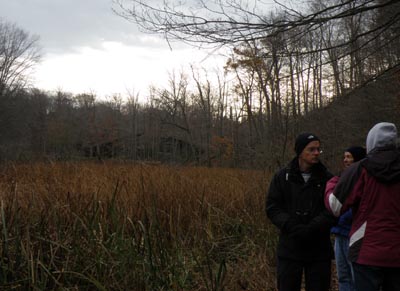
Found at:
<point>64,25</point>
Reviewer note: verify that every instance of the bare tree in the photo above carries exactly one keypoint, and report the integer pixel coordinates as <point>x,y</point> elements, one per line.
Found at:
<point>175,103</point>
<point>205,101</point>
<point>19,53</point>
<point>39,105</point>
<point>62,128</point>
<point>132,107</point>
<point>222,22</point>
<point>354,33</point>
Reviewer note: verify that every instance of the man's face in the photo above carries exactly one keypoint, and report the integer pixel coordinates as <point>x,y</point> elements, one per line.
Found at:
<point>310,154</point>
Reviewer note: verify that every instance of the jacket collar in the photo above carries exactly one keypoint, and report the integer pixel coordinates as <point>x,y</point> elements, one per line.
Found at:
<point>317,171</point>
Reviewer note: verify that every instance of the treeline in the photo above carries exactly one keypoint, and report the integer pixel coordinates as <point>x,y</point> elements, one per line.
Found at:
<point>175,126</point>
<point>178,126</point>
<point>272,87</point>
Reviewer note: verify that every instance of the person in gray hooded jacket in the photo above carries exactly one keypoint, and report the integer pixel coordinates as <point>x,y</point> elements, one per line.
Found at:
<point>371,188</point>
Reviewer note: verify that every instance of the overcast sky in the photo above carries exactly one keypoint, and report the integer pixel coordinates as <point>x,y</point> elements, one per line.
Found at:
<point>87,48</point>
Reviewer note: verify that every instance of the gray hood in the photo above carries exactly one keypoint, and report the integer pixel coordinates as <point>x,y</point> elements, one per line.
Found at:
<point>383,134</point>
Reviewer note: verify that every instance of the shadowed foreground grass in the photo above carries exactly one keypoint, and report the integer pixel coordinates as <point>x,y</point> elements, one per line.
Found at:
<point>115,226</point>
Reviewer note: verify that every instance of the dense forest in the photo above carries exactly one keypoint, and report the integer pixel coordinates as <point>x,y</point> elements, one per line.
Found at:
<point>332,69</point>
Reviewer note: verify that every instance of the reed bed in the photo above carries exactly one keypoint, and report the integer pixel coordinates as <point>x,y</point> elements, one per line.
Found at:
<point>121,226</point>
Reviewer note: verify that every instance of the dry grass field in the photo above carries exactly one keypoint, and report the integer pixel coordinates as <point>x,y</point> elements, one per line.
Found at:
<point>121,226</point>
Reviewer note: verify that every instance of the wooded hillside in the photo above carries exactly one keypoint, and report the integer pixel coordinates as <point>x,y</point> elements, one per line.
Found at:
<point>347,119</point>
<point>331,68</point>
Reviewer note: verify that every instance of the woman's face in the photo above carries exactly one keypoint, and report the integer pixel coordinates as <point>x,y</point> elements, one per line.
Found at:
<point>348,159</point>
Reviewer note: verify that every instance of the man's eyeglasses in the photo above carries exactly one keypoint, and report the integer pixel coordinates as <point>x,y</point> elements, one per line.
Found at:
<point>314,149</point>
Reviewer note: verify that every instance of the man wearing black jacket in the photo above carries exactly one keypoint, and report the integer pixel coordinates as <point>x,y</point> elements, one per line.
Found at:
<point>295,204</point>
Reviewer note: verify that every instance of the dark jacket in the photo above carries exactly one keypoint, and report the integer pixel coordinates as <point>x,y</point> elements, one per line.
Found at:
<point>297,209</point>
<point>371,188</point>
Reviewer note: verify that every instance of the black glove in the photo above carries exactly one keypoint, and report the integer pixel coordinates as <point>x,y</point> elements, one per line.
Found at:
<point>297,230</point>
<point>300,232</point>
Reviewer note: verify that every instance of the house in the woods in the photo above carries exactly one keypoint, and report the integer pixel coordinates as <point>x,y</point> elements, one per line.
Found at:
<point>100,150</point>
<point>175,149</point>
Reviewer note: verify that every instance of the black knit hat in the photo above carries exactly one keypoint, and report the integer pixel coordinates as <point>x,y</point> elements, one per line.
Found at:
<point>303,140</point>
<point>357,152</point>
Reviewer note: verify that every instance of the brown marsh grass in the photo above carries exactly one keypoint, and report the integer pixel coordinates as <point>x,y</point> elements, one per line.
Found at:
<point>121,226</point>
